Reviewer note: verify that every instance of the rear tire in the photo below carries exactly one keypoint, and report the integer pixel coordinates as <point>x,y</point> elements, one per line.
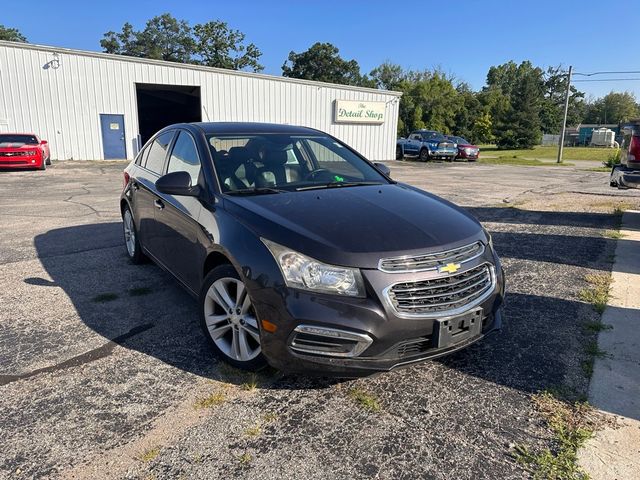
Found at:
<point>131,239</point>
<point>229,319</point>
<point>424,155</point>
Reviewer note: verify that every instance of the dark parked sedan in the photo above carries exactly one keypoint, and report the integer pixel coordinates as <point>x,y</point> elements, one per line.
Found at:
<point>303,254</point>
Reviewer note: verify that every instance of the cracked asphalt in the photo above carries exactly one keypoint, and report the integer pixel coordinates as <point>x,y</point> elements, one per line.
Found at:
<point>104,372</point>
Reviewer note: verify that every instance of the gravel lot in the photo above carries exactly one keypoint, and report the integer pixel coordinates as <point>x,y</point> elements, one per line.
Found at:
<point>104,372</point>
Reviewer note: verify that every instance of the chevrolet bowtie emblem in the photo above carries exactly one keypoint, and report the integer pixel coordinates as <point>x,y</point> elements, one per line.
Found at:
<point>449,268</point>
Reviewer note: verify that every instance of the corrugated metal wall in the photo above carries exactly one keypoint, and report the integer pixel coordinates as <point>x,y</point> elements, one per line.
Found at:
<point>63,104</point>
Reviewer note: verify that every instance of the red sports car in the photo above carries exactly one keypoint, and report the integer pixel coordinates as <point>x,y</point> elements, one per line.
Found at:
<point>23,150</point>
<point>466,151</point>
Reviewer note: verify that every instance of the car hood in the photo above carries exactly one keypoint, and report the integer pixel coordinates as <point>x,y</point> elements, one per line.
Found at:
<point>356,226</point>
<point>466,145</point>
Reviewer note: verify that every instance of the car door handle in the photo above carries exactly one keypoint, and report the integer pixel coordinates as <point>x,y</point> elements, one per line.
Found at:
<point>158,204</point>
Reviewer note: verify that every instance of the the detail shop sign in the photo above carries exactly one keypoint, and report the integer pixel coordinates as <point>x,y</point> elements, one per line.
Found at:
<point>347,111</point>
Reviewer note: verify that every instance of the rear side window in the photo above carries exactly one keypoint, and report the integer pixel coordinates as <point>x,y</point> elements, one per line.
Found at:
<point>158,152</point>
<point>184,157</point>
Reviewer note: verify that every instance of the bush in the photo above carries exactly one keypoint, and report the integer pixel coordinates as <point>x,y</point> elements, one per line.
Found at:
<point>614,159</point>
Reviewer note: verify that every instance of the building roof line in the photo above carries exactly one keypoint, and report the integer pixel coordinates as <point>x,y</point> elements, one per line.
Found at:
<point>164,63</point>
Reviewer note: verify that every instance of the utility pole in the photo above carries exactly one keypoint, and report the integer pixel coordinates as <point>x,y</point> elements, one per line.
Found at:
<point>566,110</point>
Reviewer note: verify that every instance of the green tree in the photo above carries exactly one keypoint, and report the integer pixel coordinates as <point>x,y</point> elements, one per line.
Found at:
<point>468,113</point>
<point>11,34</point>
<point>323,63</point>
<point>552,106</point>
<point>388,76</point>
<point>124,43</point>
<point>166,38</point>
<point>163,38</point>
<point>520,128</point>
<point>615,107</point>
<point>482,131</point>
<point>216,45</point>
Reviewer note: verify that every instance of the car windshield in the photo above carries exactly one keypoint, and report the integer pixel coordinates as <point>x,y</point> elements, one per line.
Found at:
<point>272,163</point>
<point>24,139</point>
<point>459,140</point>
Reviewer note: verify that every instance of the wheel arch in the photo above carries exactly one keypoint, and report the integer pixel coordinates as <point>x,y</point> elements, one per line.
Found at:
<point>213,260</point>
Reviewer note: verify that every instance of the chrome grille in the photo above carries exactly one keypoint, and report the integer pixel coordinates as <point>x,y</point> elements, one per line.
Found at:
<point>13,154</point>
<point>431,261</point>
<point>440,296</point>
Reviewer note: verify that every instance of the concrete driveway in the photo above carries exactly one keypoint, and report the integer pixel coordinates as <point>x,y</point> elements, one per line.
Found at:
<point>104,372</point>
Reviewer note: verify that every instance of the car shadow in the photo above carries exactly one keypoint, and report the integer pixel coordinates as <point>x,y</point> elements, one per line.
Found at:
<point>143,308</point>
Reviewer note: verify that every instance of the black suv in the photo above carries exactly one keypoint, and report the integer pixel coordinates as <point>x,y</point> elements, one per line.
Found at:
<point>305,255</point>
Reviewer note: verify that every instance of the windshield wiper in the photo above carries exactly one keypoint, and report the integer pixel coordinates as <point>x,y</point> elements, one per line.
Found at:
<point>255,191</point>
<point>336,184</point>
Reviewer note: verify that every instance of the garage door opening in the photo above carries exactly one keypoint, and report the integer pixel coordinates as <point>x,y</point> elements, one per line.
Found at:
<point>162,105</point>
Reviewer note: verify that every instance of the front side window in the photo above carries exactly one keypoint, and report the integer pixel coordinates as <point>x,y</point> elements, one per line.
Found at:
<point>288,162</point>
<point>158,152</point>
<point>184,157</point>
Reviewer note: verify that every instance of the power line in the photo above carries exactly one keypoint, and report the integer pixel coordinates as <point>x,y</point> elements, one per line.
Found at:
<point>609,80</point>
<point>606,73</point>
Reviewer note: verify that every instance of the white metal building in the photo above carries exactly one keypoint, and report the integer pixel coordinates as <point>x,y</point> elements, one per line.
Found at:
<point>92,106</point>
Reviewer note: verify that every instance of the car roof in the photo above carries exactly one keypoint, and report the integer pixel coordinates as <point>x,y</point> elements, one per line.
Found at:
<point>18,133</point>
<point>250,127</point>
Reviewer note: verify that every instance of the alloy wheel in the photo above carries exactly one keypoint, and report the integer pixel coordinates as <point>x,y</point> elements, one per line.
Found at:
<point>129,233</point>
<point>231,320</point>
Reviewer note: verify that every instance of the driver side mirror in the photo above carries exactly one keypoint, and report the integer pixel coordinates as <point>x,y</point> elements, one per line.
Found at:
<point>177,183</point>
<point>382,168</point>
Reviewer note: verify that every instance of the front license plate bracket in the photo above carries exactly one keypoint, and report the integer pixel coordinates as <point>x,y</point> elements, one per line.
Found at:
<point>454,330</point>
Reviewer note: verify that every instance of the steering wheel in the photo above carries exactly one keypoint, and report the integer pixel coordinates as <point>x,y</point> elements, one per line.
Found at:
<point>314,173</point>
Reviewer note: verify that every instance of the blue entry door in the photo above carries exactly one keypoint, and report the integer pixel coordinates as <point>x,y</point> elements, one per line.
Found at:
<point>113,144</point>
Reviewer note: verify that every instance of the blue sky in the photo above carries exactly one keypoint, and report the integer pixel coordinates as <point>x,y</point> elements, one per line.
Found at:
<point>464,37</point>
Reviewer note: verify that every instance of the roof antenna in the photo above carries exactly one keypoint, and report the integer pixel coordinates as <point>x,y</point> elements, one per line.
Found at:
<point>206,114</point>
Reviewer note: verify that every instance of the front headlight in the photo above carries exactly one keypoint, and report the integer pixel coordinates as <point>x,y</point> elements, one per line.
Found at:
<point>300,271</point>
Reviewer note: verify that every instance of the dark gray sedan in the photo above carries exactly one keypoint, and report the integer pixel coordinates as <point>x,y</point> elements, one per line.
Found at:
<point>305,255</point>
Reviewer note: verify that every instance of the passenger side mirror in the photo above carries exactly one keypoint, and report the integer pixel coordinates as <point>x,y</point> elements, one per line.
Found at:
<point>382,168</point>
<point>43,142</point>
<point>177,183</point>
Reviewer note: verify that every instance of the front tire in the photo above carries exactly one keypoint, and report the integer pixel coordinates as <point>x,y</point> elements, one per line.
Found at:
<point>43,165</point>
<point>229,319</point>
<point>399,153</point>
<point>424,155</point>
<point>48,162</point>
<point>131,239</point>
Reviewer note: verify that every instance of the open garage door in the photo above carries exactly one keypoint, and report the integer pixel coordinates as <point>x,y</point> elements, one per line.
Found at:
<point>162,105</point>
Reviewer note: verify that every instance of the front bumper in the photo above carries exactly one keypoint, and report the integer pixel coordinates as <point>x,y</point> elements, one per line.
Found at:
<point>625,177</point>
<point>395,341</point>
<point>20,161</point>
<point>443,154</point>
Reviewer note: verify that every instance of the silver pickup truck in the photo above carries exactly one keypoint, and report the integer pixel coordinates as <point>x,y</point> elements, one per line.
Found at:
<point>426,145</point>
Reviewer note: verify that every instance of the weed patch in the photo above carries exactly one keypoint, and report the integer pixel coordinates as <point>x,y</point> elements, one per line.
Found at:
<point>572,425</point>
<point>365,399</point>
<point>597,293</point>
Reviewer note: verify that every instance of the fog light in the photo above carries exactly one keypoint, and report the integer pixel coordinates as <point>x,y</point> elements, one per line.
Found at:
<point>329,341</point>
